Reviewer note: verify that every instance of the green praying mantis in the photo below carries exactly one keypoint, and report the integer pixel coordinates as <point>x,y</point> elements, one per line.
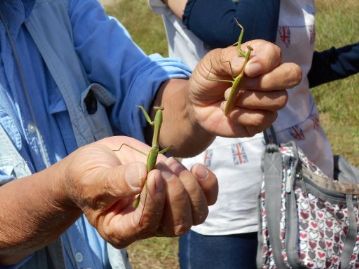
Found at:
<point>152,155</point>
<point>235,81</point>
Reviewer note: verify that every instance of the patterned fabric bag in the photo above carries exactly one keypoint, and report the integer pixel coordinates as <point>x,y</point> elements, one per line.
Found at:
<point>307,220</point>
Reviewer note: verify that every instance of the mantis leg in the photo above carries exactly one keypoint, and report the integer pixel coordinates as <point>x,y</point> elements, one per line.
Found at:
<point>147,117</point>
<point>164,150</point>
<point>235,85</point>
<point>221,80</point>
<point>127,145</point>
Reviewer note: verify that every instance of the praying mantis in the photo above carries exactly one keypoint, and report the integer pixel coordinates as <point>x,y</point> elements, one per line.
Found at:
<point>235,79</point>
<point>155,147</point>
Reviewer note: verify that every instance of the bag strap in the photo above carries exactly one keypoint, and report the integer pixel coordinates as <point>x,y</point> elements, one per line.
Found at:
<point>269,136</point>
<point>292,232</point>
<point>272,172</point>
<point>350,239</point>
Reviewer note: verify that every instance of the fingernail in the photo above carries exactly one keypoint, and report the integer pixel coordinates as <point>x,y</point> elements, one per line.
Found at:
<point>134,176</point>
<point>253,69</point>
<point>201,172</point>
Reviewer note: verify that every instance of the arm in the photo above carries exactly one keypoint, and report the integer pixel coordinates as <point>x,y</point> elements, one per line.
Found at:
<point>102,183</point>
<point>135,79</point>
<point>333,64</point>
<point>212,20</point>
<point>193,112</point>
<point>33,213</point>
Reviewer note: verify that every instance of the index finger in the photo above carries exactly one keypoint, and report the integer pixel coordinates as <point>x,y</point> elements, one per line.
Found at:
<point>285,76</point>
<point>265,56</point>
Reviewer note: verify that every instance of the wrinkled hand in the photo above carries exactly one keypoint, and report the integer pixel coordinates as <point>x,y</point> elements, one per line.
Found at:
<point>103,184</point>
<point>262,90</point>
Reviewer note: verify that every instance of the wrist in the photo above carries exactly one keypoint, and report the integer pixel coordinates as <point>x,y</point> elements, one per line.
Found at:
<point>181,124</point>
<point>62,185</point>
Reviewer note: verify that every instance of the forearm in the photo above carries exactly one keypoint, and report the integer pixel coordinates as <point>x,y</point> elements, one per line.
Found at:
<point>33,212</point>
<point>333,64</point>
<point>179,129</point>
<point>213,20</point>
<point>177,6</point>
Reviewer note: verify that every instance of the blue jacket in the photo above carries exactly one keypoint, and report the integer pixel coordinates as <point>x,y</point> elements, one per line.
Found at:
<point>69,75</point>
<point>260,21</point>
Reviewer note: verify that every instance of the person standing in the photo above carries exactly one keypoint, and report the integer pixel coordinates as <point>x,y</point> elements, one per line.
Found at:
<point>227,239</point>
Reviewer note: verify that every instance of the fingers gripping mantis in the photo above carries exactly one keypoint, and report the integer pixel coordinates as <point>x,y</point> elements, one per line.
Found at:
<point>155,147</point>
<point>235,79</point>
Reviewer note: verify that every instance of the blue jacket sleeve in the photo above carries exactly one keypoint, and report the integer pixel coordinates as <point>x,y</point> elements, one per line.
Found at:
<point>213,20</point>
<point>112,59</point>
<point>333,64</point>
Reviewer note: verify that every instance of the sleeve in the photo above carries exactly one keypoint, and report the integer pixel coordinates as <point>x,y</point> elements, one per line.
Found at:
<point>213,20</point>
<point>112,59</point>
<point>333,64</point>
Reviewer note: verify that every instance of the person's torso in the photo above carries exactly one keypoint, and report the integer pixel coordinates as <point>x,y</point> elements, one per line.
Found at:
<point>35,118</point>
<point>236,162</point>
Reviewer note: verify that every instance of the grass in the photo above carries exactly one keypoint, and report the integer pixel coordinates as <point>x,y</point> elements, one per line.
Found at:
<point>144,26</point>
<point>337,25</point>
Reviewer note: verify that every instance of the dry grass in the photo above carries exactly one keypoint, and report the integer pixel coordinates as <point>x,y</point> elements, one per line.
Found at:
<point>154,253</point>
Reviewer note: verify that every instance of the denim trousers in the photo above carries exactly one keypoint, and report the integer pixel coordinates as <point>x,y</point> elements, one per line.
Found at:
<point>238,251</point>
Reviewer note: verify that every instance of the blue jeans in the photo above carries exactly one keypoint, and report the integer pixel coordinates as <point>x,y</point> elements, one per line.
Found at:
<point>237,251</point>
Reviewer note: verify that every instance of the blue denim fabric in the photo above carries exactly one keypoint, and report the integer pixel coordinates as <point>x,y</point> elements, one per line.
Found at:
<point>197,251</point>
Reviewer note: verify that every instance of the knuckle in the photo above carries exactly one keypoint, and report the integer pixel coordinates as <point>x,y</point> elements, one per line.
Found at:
<point>201,218</point>
<point>295,75</point>
<point>277,50</point>
<point>181,229</point>
<point>148,229</point>
<point>299,72</point>
<point>272,49</point>
<point>258,120</point>
<point>179,195</point>
<point>280,101</point>
<point>115,239</point>
<point>119,243</point>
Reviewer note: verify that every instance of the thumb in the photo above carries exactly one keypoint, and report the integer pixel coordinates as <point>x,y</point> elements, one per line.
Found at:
<point>125,180</point>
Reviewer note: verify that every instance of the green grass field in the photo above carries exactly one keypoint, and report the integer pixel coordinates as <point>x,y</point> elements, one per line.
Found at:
<point>338,102</point>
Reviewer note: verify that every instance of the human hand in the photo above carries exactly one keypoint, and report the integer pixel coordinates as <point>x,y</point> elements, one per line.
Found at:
<point>103,183</point>
<point>262,90</point>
